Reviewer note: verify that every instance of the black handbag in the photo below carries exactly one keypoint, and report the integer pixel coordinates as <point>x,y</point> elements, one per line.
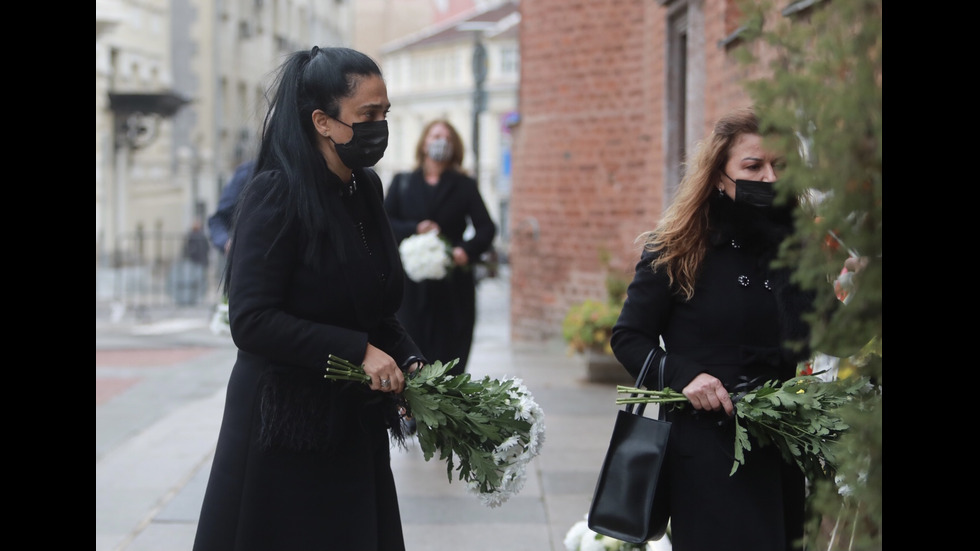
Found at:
<point>628,503</point>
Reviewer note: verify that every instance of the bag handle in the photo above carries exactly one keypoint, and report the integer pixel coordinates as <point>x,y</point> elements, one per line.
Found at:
<point>643,375</point>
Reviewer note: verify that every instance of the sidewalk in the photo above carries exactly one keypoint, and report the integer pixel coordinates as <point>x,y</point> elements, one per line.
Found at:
<point>158,421</point>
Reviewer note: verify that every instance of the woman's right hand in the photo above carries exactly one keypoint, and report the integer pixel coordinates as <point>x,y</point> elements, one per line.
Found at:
<point>706,392</point>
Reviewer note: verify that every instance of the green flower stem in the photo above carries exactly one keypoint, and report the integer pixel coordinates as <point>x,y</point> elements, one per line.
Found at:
<point>798,435</point>
<point>343,377</point>
<point>643,400</point>
<point>645,396</point>
<point>799,416</point>
<point>339,369</point>
<point>343,364</point>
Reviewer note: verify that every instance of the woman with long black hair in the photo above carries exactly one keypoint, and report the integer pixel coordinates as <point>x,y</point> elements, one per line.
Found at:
<point>303,462</point>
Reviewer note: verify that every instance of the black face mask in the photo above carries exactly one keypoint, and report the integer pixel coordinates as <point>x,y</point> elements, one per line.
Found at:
<point>366,146</point>
<point>752,192</point>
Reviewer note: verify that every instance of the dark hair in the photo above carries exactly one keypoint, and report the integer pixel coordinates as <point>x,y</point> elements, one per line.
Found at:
<point>306,81</point>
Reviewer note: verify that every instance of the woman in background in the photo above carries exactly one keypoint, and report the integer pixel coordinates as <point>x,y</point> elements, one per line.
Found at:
<point>440,315</point>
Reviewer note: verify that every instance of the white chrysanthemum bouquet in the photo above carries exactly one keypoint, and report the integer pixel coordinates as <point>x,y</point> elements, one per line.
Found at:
<point>488,430</point>
<point>580,538</point>
<point>426,256</point>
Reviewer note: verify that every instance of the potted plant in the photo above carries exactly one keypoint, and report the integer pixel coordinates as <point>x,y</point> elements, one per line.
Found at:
<point>587,328</point>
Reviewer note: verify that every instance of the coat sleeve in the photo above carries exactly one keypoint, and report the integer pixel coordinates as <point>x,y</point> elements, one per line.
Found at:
<point>401,225</point>
<point>641,323</point>
<point>263,261</point>
<point>485,229</point>
<point>395,340</point>
<point>220,223</point>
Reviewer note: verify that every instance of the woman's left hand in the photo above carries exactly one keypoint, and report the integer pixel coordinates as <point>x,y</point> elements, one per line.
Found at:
<point>460,257</point>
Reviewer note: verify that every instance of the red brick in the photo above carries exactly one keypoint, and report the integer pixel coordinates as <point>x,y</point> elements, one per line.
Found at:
<point>588,153</point>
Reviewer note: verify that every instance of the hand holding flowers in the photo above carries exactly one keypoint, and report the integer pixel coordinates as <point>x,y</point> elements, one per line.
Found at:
<point>800,417</point>
<point>488,430</point>
<point>425,256</point>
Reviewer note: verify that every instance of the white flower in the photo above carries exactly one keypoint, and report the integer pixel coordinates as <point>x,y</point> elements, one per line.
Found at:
<point>425,256</point>
<point>505,449</point>
<point>219,321</point>
<point>573,539</point>
<point>513,454</point>
<point>581,538</point>
<point>476,426</point>
<point>594,542</point>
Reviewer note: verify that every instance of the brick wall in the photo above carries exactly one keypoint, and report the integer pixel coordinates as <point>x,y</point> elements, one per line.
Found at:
<point>588,152</point>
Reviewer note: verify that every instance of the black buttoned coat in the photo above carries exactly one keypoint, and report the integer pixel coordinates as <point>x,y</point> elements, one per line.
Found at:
<point>732,328</point>
<point>303,462</point>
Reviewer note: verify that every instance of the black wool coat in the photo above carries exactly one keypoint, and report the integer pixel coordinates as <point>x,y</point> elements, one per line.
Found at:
<point>732,328</point>
<point>441,315</point>
<point>303,462</point>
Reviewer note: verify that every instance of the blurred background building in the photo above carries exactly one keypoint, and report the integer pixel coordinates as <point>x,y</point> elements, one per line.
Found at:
<point>613,95</point>
<point>577,115</point>
<point>179,88</point>
<point>465,69</point>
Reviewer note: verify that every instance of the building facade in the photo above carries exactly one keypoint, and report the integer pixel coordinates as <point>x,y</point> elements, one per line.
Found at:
<point>180,96</point>
<point>577,116</point>
<point>613,95</point>
<point>466,69</point>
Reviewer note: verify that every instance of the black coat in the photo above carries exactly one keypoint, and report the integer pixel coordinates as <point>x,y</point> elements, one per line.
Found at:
<point>303,462</point>
<point>732,328</point>
<point>441,315</point>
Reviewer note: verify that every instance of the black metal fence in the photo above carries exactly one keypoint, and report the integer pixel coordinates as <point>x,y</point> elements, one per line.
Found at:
<point>157,270</point>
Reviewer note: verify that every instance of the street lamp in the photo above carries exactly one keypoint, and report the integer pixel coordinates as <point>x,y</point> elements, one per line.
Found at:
<point>480,66</point>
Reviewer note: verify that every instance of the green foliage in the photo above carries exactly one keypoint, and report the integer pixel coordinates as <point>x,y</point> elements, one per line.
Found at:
<point>824,99</point>
<point>492,427</point>
<point>589,324</point>
<point>802,417</point>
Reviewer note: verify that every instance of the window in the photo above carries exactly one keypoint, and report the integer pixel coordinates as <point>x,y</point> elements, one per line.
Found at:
<point>684,87</point>
<point>509,60</point>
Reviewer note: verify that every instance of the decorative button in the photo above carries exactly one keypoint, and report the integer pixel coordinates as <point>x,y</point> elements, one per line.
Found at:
<point>743,280</point>
<point>360,226</point>
<point>735,245</point>
<point>767,285</point>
